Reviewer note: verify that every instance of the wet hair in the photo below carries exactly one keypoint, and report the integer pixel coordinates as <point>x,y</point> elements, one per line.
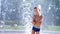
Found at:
<point>35,7</point>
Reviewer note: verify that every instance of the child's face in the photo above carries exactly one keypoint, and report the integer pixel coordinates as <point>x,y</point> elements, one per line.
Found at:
<point>36,10</point>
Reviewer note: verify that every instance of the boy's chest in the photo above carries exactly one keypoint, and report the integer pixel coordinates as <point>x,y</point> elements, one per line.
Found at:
<point>37,18</point>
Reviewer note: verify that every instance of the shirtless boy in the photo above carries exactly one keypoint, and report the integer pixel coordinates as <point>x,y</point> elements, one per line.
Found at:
<point>37,20</point>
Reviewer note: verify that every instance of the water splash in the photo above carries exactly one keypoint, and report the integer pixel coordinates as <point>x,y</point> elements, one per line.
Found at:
<point>22,10</point>
<point>26,16</point>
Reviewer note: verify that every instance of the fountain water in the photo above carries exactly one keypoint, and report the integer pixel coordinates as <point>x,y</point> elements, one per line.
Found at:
<point>22,11</point>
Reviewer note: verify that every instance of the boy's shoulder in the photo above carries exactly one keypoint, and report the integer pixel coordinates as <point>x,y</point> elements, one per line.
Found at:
<point>41,16</point>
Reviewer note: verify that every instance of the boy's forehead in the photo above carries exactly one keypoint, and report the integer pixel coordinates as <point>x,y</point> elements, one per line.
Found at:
<point>36,8</point>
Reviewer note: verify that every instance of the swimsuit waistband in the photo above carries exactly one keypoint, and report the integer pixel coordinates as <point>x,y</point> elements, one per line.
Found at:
<point>37,27</point>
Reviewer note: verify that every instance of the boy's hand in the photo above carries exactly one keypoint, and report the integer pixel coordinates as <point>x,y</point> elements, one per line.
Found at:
<point>33,23</point>
<point>41,18</point>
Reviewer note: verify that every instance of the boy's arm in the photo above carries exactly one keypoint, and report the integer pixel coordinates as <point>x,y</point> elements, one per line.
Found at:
<point>33,21</point>
<point>41,17</point>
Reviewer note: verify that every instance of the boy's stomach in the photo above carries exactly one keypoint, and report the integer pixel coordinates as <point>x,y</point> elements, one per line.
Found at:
<point>37,24</point>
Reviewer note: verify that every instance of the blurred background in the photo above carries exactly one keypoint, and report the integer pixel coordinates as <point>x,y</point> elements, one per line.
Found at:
<point>17,14</point>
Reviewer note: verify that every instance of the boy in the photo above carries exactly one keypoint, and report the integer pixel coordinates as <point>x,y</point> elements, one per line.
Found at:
<point>37,20</point>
